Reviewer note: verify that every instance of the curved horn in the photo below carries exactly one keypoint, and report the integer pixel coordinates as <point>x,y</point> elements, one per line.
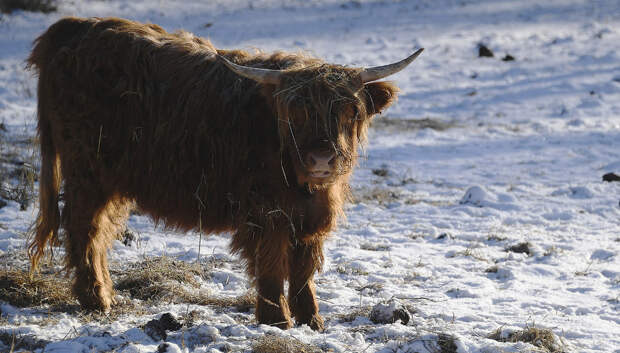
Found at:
<point>253,73</point>
<point>379,72</point>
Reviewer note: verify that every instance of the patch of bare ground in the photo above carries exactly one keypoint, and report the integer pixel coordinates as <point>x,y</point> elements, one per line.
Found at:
<point>393,124</point>
<point>280,344</point>
<point>544,339</point>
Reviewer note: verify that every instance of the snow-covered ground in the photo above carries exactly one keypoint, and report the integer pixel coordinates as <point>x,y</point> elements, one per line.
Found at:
<point>519,159</point>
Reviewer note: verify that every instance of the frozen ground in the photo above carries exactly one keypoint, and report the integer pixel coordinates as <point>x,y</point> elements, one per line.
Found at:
<point>518,157</point>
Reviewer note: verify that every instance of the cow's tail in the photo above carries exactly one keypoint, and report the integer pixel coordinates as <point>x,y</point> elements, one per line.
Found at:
<point>48,219</point>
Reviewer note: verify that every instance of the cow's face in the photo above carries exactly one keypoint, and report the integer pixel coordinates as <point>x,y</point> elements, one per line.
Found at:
<point>322,118</point>
<point>323,112</point>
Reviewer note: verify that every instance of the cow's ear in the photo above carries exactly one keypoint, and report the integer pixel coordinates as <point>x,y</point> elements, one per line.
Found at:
<point>379,96</point>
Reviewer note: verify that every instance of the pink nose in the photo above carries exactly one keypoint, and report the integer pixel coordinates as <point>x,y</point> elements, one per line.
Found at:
<point>320,164</point>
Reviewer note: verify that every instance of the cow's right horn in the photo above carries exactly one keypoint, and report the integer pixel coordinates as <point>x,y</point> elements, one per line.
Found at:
<point>259,75</point>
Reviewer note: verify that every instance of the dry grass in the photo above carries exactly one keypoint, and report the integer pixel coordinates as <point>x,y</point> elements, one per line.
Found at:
<point>354,314</point>
<point>538,337</point>
<point>473,253</point>
<point>18,155</point>
<point>277,344</point>
<point>375,247</point>
<point>379,195</point>
<point>159,279</point>
<point>446,343</point>
<point>347,269</point>
<point>164,279</point>
<point>19,289</point>
<point>410,124</point>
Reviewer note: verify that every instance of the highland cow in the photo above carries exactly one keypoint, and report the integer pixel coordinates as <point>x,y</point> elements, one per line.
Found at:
<point>260,145</point>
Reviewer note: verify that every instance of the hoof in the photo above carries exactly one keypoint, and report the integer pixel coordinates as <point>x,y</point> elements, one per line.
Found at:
<point>272,314</point>
<point>95,298</point>
<point>315,322</point>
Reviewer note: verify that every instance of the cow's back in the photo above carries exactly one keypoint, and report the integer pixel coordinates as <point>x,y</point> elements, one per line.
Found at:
<point>151,116</point>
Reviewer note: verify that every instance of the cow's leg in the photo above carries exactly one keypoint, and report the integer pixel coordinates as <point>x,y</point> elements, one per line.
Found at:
<point>266,256</point>
<point>271,271</point>
<point>92,221</point>
<point>305,259</point>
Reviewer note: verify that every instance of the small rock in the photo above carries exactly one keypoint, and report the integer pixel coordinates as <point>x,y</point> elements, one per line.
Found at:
<point>523,248</point>
<point>128,238</point>
<point>609,177</point>
<point>169,322</point>
<point>380,172</point>
<point>484,51</point>
<point>156,328</point>
<point>445,236</point>
<point>508,57</point>
<point>2,203</point>
<point>389,312</point>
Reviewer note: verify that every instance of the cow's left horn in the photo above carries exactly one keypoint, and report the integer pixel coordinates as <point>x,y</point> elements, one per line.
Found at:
<point>253,73</point>
<point>379,72</point>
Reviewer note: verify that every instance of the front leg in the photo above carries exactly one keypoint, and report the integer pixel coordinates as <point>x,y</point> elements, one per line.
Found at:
<point>271,305</point>
<point>271,269</point>
<point>305,258</point>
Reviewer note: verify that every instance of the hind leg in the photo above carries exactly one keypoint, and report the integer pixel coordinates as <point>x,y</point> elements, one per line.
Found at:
<point>91,221</point>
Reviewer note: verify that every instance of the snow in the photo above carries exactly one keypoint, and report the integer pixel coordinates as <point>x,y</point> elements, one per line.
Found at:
<point>521,160</point>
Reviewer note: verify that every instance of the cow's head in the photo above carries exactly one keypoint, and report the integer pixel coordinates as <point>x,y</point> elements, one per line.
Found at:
<point>323,113</point>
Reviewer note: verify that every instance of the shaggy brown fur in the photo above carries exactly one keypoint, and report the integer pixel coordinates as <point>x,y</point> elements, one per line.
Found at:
<point>132,115</point>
